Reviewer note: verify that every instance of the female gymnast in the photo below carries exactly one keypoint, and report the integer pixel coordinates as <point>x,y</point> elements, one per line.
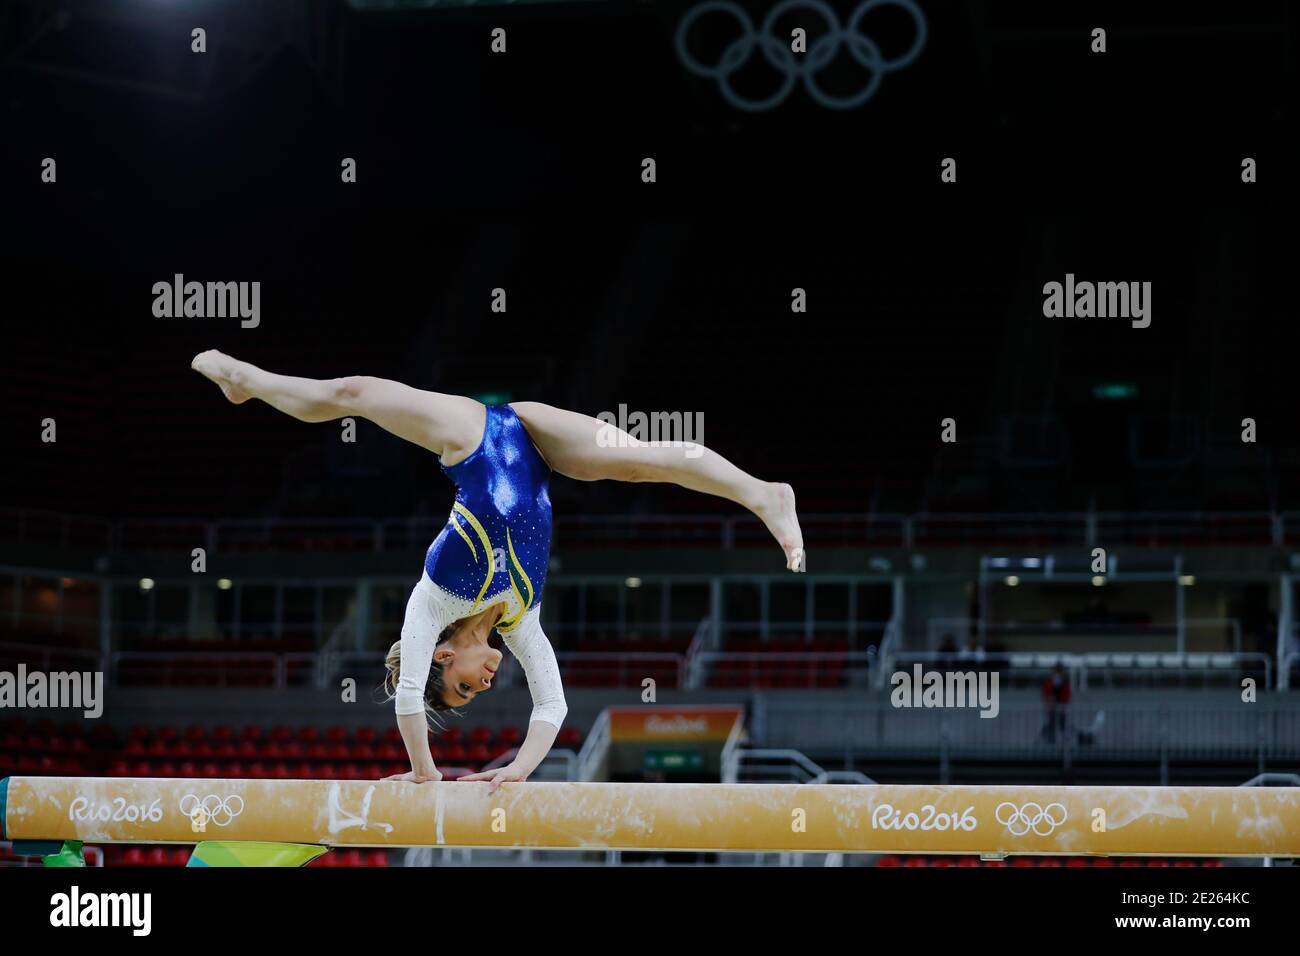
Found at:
<point>486,569</point>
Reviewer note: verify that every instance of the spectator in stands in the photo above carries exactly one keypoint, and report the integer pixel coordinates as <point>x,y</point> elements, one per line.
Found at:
<point>1056,700</point>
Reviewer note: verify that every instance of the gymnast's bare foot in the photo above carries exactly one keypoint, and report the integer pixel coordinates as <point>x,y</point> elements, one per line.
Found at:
<point>224,370</point>
<point>778,512</point>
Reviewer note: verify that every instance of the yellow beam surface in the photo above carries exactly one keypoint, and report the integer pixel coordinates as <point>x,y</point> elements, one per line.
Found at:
<point>1115,821</point>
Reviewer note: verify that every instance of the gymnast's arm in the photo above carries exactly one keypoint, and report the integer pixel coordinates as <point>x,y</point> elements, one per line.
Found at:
<point>419,635</point>
<point>533,650</point>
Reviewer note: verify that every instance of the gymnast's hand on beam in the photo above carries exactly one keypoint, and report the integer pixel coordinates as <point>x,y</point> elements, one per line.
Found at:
<point>510,773</point>
<point>416,776</point>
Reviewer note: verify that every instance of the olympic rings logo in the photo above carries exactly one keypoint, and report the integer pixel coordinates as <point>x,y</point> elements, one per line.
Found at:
<point>1031,817</point>
<point>220,812</point>
<point>806,67</point>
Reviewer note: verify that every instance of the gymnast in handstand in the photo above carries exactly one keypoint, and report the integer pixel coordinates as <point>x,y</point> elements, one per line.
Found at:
<point>486,569</point>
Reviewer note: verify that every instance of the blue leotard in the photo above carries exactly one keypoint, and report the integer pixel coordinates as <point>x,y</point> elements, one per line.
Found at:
<point>497,540</point>
<point>494,548</point>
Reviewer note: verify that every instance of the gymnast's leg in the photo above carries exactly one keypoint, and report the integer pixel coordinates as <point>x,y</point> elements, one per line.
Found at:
<point>571,444</point>
<point>447,425</point>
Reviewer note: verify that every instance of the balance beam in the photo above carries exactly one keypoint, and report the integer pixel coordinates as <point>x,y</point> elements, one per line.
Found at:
<point>991,821</point>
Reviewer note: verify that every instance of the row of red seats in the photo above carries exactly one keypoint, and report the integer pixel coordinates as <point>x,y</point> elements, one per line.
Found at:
<point>227,676</point>
<point>45,736</point>
<point>279,771</point>
<point>180,856</point>
<point>159,750</point>
<point>624,645</point>
<point>37,743</point>
<point>27,765</point>
<point>1032,861</point>
<point>256,644</point>
<point>821,679</point>
<point>47,728</point>
<point>600,677</point>
<point>309,735</point>
<point>788,645</point>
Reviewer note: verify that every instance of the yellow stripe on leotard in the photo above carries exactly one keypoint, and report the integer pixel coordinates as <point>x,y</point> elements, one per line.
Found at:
<point>524,605</point>
<point>508,623</point>
<point>468,515</point>
<point>461,531</point>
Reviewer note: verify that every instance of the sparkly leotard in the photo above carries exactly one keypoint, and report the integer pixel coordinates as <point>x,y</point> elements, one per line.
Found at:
<point>494,548</point>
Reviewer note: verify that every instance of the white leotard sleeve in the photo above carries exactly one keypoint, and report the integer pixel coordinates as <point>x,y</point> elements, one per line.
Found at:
<point>423,623</point>
<point>537,657</point>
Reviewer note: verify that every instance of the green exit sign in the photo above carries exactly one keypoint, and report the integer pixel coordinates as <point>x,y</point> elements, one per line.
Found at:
<point>674,760</point>
<point>1115,390</point>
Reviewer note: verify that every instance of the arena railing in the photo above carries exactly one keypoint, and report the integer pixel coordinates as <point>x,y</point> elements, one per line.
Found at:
<point>1088,669</point>
<point>862,734</point>
<point>46,657</point>
<point>208,668</point>
<point>1207,632</point>
<point>804,669</point>
<point>808,668</point>
<point>853,529</point>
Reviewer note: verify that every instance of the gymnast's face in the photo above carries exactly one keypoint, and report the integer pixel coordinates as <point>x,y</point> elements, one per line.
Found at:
<point>469,662</point>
